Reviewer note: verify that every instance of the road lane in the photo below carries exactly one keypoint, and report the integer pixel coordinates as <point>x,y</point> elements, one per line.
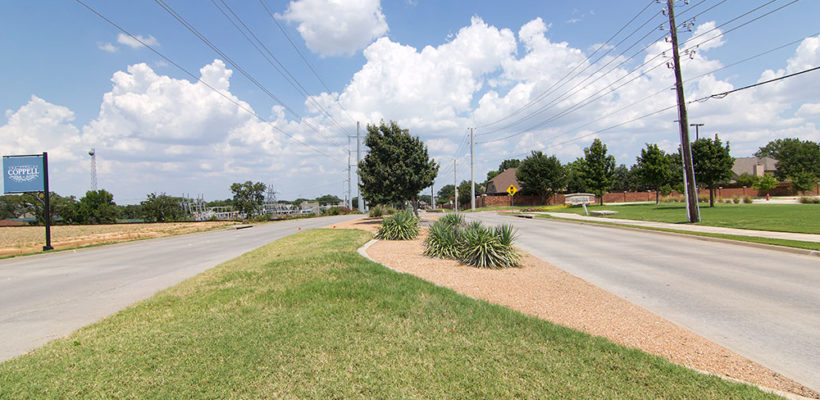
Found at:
<point>47,296</point>
<point>762,304</point>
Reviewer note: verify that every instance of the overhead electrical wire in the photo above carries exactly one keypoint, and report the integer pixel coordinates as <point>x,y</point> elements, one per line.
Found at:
<point>199,79</point>
<point>586,59</point>
<point>693,46</point>
<point>271,59</point>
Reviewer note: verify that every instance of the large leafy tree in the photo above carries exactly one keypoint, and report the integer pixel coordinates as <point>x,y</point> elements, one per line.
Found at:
<point>541,175</point>
<point>653,168</point>
<point>397,166</point>
<point>62,209</point>
<point>248,196</point>
<point>575,182</point>
<point>162,208</point>
<point>464,192</point>
<point>328,199</point>
<point>97,207</point>
<point>798,161</point>
<point>713,164</point>
<point>445,194</point>
<point>625,179</point>
<point>597,168</point>
<point>510,163</point>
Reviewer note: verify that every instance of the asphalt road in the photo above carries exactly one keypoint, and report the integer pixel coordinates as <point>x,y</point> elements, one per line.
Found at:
<point>762,304</point>
<point>47,296</point>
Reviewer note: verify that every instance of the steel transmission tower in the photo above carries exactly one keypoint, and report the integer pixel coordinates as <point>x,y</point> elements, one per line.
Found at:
<point>93,155</point>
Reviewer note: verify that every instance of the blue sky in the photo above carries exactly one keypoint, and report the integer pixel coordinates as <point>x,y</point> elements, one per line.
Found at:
<point>71,81</point>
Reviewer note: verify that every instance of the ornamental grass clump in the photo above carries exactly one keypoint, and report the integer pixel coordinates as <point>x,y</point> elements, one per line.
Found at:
<point>442,241</point>
<point>400,226</point>
<point>473,244</point>
<point>488,248</point>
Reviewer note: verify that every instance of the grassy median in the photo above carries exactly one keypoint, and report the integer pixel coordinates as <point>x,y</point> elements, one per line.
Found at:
<point>307,317</point>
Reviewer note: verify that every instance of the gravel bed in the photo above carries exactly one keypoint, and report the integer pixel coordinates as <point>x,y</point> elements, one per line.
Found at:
<point>542,290</point>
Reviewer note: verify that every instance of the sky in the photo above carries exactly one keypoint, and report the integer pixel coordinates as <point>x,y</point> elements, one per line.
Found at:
<point>187,97</point>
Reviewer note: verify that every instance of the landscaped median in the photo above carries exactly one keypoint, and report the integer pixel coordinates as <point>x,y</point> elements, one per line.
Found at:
<point>307,317</point>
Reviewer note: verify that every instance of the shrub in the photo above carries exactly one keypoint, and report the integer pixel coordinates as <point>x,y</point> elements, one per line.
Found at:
<point>337,211</point>
<point>809,200</point>
<point>401,226</point>
<point>487,248</point>
<point>376,211</point>
<point>736,200</point>
<point>442,242</point>
<point>390,210</point>
<point>747,200</point>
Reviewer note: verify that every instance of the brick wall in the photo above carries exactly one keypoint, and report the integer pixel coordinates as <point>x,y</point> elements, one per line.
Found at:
<point>783,189</point>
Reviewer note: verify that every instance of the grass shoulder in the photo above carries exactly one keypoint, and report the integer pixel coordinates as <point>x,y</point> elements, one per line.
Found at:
<point>798,218</point>
<point>307,317</point>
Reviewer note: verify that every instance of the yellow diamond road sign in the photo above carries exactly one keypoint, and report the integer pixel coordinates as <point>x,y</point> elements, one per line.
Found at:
<point>512,190</point>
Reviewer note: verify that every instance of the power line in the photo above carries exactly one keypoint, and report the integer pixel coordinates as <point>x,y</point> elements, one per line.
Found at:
<point>198,79</point>
<point>724,94</point>
<point>268,56</point>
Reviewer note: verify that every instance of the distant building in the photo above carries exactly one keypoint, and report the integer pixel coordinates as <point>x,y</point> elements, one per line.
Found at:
<point>498,185</point>
<point>756,166</point>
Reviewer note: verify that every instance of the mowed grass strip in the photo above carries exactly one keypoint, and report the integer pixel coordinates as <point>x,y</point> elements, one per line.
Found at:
<point>307,317</point>
<point>800,218</point>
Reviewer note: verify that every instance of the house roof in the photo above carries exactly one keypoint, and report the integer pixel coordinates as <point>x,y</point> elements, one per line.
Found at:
<point>502,181</point>
<point>747,165</point>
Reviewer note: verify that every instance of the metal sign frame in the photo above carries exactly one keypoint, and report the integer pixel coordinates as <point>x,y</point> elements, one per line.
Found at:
<point>21,175</point>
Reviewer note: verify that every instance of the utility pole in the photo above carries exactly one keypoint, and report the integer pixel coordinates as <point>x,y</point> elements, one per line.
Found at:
<point>697,130</point>
<point>349,182</point>
<point>686,149</point>
<point>358,160</point>
<point>472,178</point>
<point>455,185</point>
<point>432,197</point>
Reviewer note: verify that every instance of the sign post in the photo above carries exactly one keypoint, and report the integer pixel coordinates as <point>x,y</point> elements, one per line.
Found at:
<point>29,174</point>
<point>512,191</point>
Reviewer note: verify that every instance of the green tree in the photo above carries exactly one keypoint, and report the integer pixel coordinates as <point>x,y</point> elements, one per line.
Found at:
<point>713,164</point>
<point>747,179</point>
<point>328,199</point>
<point>492,174</point>
<point>131,211</point>
<point>797,160</point>
<point>541,175</point>
<point>653,169</point>
<point>97,207</point>
<point>11,206</point>
<point>248,197</point>
<point>445,194</point>
<point>397,167</point>
<point>507,164</point>
<point>597,168</point>
<point>625,179</point>
<point>766,183</point>
<point>63,209</point>
<point>464,192</point>
<point>162,208</point>
<point>575,182</point>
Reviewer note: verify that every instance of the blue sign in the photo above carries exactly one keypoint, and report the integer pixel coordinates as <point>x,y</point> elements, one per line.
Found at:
<point>23,174</point>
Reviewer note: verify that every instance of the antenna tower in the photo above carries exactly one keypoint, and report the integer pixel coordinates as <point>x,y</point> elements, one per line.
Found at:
<point>93,155</point>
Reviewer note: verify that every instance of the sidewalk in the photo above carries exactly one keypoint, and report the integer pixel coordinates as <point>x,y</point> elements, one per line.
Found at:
<point>803,237</point>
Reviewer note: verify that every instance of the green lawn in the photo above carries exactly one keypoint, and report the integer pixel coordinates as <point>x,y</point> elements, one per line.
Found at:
<point>802,218</point>
<point>307,317</point>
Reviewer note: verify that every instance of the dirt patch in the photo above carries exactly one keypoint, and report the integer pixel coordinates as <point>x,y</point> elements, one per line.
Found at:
<point>29,239</point>
<point>544,291</point>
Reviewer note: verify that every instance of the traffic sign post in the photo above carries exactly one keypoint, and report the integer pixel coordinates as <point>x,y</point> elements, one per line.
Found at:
<point>512,191</point>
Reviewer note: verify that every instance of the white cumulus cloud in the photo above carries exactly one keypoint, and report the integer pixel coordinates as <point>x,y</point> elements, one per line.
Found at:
<point>337,27</point>
<point>134,43</point>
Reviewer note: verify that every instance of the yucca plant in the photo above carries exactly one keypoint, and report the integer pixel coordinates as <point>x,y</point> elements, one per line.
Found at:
<point>454,219</point>
<point>400,226</point>
<point>487,248</point>
<point>442,241</point>
<point>505,234</point>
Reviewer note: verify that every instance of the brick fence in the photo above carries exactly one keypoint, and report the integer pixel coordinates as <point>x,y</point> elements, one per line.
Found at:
<point>783,189</point>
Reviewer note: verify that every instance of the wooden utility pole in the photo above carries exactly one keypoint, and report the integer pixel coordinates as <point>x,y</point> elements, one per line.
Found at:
<point>472,178</point>
<point>455,184</point>
<point>688,170</point>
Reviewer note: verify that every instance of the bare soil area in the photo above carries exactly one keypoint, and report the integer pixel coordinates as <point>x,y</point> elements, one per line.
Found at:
<point>29,239</point>
<point>542,290</point>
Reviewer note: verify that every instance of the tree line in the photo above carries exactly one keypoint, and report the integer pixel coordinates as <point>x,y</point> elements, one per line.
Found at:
<point>654,169</point>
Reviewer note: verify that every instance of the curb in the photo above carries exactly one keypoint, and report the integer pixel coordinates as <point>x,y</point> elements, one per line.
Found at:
<point>792,250</point>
